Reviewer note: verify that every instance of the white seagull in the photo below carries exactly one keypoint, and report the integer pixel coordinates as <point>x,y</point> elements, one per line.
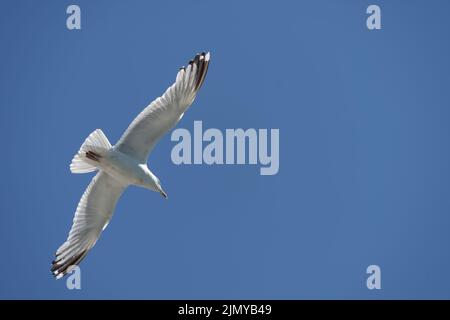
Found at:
<point>124,164</point>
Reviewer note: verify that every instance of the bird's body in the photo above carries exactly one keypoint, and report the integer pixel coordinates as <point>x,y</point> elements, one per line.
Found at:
<point>126,170</point>
<point>124,164</point>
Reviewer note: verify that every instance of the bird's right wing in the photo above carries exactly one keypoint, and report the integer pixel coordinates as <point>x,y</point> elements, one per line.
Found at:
<point>93,213</point>
<point>164,112</point>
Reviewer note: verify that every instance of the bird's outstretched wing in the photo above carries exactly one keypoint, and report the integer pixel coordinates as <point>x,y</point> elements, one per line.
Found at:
<point>93,213</point>
<point>164,112</point>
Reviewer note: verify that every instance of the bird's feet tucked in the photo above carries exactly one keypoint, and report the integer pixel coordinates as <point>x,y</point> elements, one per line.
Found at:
<point>93,156</point>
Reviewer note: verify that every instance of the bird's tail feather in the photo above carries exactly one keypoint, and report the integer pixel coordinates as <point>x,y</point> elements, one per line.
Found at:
<point>90,153</point>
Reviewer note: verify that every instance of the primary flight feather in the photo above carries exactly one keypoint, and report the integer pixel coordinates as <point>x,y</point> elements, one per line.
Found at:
<point>124,164</point>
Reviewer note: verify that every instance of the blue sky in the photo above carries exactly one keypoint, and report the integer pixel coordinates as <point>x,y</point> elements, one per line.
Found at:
<point>364,159</point>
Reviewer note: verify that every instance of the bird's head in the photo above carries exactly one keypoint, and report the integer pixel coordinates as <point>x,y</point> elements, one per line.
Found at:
<point>160,189</point>
<point>152,182</point>
<point>156,186</point>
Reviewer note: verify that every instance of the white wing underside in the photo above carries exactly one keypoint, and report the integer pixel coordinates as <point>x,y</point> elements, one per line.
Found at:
<point>164,112</point>
<point>94,211</point>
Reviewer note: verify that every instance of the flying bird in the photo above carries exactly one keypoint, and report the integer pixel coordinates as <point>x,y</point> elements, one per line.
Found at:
<point>124,164</point>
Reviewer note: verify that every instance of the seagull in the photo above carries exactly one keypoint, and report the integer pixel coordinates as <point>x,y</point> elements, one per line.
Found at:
<point>124,164</point>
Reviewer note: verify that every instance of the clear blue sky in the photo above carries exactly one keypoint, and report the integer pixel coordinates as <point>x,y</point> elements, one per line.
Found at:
<point>364,148</point>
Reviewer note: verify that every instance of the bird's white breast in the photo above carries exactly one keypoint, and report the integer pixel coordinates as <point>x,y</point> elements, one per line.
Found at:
<point>124,168</point>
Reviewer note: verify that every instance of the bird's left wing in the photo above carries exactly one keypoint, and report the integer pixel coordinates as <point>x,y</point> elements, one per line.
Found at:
<point>93,213</point>
<point>164,112</point>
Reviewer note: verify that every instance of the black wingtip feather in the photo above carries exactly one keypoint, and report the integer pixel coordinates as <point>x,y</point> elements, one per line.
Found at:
<point>58,269</point>
<point>202,69</point>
